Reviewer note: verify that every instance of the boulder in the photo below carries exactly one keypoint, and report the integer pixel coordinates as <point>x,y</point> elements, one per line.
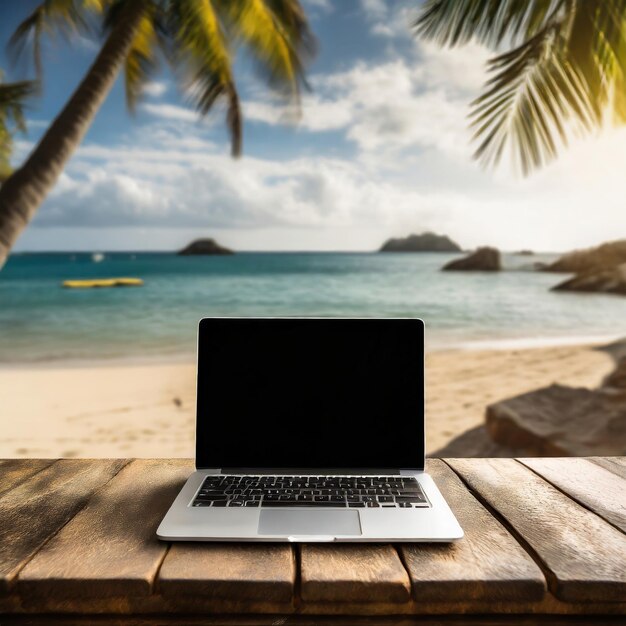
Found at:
<point>553,421</point>
<point>561,421</point>
<point>616,380</point>
<point>473,443</point>
<point>609,280</point>
<point>204,247</point>
<point>483,260</point>
<point>426,242</point>
<point>616,349</point>
<point>591,259</point>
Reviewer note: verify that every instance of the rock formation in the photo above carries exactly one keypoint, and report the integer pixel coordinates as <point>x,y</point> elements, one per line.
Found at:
<point>426,242</point>
<point>204,247</point>
<point>602,257</point>
<point>553,421</point>
<point>561,421</point>
<point>610,280</point>
<point>483,260</point>
<point>474,443</point>
<point>616,380</point>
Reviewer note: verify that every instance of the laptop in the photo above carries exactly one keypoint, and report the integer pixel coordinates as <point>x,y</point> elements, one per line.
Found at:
<point>310,430</point>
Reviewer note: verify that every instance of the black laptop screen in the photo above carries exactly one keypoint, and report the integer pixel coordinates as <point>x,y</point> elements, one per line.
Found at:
<point>310,393</point>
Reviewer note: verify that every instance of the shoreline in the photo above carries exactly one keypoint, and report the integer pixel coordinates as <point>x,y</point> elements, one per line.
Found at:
<point>148,410</point>
<point>189,357</point>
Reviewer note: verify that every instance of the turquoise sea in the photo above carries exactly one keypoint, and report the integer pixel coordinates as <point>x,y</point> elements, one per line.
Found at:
<point>40,321</point>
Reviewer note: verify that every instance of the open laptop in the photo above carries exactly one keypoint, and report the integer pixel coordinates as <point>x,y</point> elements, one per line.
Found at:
<point>310,430</point>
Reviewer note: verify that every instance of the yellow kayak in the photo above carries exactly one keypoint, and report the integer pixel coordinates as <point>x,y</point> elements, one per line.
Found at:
<point>103,282</point>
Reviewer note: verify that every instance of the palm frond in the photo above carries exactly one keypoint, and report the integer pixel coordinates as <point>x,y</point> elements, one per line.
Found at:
<point>533,90</point>
<point>12,97</point>
<point>454,22</point>
<point>141,60</point>
<point>566,66</point>
<point>278,36</point>
<point>201,49</point>
<point>199,38</point>
<point>619,100</point>
<point>597,47</point>
<point>66,17</point>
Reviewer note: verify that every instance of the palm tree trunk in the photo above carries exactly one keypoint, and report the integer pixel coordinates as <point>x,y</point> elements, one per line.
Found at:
<point>26,188</point>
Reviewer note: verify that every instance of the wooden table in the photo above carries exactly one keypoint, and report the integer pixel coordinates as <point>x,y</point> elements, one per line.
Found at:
<point>545,542</point>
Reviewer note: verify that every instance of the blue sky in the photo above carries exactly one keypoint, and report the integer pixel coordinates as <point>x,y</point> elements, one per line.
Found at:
<point>381,149</point>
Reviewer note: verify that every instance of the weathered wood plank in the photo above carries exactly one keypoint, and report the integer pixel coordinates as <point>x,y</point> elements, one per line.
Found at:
<point>243,572</point>
<point>110,547</point>
<point>37,508</point>
<point>615,464</point>
<point>352,573</point>
<point>210,579</point>
<point>16,471</point>
<point>200,619</point>
<point>593,486</point>
<point>487,564</point>
<point>583,555</point>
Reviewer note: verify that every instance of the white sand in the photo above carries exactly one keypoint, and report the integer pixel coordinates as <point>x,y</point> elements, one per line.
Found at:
<point>128,410</point>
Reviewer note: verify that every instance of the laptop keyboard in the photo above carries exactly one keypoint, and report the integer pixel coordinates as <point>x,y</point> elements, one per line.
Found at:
<point>311,491</point>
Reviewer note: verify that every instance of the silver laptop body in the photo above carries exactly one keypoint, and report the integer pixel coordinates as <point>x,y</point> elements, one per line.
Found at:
<point>310,430</point>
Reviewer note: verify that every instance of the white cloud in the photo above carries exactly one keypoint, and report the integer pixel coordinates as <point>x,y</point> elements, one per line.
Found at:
<point>375,9</point>
<point>184,183</point>
<point>170,112</point>
<point>405,103</point>
<point>460,71</point>
<point>315,113</point>
<point>394,107</point>
<point>420,102</point>
<point>160,180</point>
<point>155,89</point>
<point>390,19</point>
<point>85,43</point>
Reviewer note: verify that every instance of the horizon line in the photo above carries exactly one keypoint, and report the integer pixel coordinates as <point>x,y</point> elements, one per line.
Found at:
<point>174,251</point>
<point>267,251</point>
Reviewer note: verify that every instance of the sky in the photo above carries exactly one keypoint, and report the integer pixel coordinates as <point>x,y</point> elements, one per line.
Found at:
<point>380,149</point>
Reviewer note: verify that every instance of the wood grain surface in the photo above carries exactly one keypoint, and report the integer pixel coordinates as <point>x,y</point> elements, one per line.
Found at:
<point>595,487</point>
<point>77,545</point>
<point>110,548</point>
<point>230,571</point>
<point>615,464</point>
<point>352,573</point>
<point>582,555</point>
<point>38,507</point>
<point>15,471</point>
<point>487,564</point>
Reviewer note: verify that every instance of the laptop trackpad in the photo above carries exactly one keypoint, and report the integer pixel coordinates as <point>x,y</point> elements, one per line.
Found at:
<point>297,522</point>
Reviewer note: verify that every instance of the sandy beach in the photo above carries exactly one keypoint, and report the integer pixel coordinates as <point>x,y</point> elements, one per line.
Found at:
<point>147,410</point>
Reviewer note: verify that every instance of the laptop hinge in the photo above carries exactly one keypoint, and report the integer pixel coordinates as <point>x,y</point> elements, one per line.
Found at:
<point>291,471</point>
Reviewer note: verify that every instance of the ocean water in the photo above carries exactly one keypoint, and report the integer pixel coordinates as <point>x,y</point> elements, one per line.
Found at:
<point>40,321</point>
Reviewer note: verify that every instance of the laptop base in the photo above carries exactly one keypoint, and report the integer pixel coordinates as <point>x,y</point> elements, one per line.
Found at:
<point>185,522</point>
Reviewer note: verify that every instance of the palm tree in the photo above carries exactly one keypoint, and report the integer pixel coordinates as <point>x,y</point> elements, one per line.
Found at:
<point>198,38</point>
<point>560,67</point>
<point>12,97</point>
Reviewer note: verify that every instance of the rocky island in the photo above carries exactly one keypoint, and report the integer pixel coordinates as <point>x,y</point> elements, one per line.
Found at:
<point>610,280</point>
<point>601,269</point>
<point>426,242</point>
<point>204,247</point>
<point>602,257</point>
<point>482,260</point>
